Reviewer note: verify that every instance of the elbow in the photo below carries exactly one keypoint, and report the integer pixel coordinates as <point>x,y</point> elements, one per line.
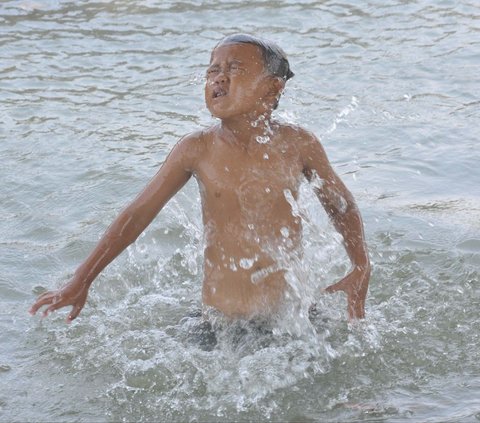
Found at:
<point>363,264</point>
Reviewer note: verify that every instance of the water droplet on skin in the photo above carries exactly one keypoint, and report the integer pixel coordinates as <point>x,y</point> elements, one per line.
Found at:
<point>262,140</point>
<point>261,274</point>
<point>316,182</point>
<point>285,232</point>
<point>251,226</point>
<point>293,203</point>
<point>255,123</point>
<point>227,169</point>
<point>246,263</point>
<point>340,202</point>
<point>265,156</point>
<point>233,266</point>
<point>267,190</point>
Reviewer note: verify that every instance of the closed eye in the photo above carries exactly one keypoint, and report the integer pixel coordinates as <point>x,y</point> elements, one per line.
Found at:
<point>236,69</point>
<point>213,71</point>
<point>233,69</point>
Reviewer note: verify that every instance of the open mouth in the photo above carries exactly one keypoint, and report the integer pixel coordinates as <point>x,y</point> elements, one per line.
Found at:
<point>219,92</point>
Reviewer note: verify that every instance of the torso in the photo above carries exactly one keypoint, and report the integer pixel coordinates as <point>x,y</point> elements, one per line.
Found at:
<point>251,231</point>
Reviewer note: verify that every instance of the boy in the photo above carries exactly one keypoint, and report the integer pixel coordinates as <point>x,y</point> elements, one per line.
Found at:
<point>249,168</point>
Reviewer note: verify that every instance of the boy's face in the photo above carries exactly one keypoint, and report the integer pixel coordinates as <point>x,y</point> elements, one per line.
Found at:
<point>237,82</point>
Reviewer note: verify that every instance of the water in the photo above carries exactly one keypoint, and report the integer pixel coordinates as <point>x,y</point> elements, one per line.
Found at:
<point>93,96</point>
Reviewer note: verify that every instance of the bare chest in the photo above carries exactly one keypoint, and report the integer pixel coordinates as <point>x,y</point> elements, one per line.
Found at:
<point>249,181</point>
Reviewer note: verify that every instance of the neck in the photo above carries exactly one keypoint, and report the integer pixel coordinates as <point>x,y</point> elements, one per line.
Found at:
<point>246,129</point>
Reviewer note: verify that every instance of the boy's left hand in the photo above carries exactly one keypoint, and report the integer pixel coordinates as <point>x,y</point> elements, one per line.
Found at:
<point>355,285</point>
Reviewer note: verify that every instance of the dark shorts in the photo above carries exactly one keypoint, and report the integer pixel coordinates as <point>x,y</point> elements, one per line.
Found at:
<point>239,335</point>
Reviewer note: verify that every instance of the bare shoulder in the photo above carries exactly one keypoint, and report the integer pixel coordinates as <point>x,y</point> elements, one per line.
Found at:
<point>192,141</point>
<point>310,151</point>
<point>300,136</point>
<point>305,141</point>
<point>188,150</point>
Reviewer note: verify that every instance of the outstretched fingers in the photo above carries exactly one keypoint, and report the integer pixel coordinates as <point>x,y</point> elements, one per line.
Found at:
<point>73,294</point>
<point>356,289</point>
<point>53,299</point>
<point>44,299</point>
<point>56,303</point>
<point>339,286</point>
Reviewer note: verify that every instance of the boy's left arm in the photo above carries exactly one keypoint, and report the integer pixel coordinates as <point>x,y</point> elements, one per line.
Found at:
<point>342,210</point>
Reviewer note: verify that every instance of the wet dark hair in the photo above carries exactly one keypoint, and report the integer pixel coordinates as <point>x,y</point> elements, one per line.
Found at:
<point>276,61</point>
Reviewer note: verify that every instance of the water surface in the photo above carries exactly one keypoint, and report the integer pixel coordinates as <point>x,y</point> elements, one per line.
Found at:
<point>92,97</point>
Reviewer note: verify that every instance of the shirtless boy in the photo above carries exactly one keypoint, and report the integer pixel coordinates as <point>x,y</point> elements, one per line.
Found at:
<point>249,168</point>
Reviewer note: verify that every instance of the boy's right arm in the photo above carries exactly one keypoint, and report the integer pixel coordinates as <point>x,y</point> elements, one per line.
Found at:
<point>125,229</point>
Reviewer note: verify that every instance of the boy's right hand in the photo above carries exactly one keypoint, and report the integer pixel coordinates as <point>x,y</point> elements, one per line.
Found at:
<point>73,293</point>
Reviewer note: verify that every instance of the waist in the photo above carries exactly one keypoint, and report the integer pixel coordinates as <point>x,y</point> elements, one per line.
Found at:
<point>244,294</point>
<point>241,255</point>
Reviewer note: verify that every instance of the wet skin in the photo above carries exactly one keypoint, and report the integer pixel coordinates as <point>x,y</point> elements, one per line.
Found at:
<point>249,169</point>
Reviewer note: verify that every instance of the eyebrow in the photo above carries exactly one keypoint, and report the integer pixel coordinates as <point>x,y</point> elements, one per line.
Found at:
<point>234,60</point>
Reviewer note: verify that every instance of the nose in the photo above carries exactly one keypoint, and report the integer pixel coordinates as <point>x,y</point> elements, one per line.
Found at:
<point>221,76</point>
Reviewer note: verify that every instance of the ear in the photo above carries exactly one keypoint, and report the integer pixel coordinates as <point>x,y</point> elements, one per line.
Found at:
<point>276,88</point>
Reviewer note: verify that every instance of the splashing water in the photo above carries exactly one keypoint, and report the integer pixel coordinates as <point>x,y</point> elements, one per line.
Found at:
<point>164,369</point>
<point>342,115</point>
